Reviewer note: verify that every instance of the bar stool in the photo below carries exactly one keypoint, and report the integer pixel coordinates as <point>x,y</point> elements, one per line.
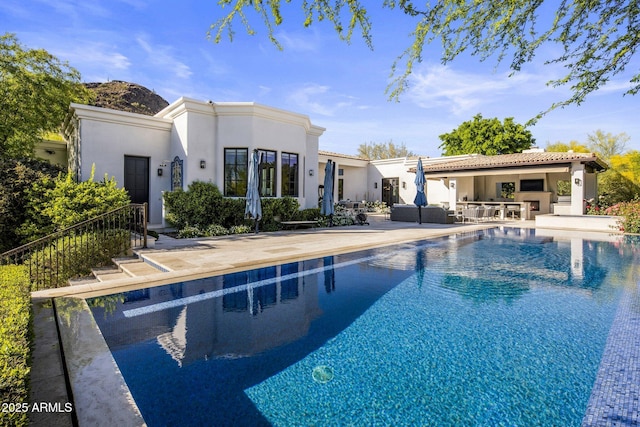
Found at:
<point>513,209</point>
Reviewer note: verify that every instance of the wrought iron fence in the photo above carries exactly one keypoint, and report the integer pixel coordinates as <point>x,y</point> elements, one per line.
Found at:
<point>74,251</point>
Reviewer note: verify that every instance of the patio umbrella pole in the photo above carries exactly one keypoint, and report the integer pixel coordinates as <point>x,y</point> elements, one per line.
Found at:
<point>326,207</point>
<point>253,206</point>
<point>421,199</point>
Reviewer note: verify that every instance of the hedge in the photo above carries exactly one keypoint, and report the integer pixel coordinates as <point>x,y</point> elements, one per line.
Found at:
<point>15,334</point>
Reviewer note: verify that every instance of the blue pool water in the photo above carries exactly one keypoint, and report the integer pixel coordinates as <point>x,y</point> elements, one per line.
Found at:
<point>500,327</point>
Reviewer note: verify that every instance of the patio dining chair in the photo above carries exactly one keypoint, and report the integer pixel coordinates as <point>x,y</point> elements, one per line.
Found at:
<point>470,214</point>
<point>489,213</point>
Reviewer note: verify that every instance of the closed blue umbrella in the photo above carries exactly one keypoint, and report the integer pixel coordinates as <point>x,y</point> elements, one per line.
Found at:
<point>253,207</point>
<point>327,198</point>
<point>421,198</point>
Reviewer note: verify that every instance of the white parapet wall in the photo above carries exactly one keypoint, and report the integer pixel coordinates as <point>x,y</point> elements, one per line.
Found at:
<point>603,223</point>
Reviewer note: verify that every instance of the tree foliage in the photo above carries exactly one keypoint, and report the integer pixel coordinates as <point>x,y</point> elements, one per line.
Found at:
<point>55,204</point>
<point>35,92</point>
<point>614,187</point>
<point>486,136</point>
<point>384,150</point>
<point>16,181</point>
<point>594,40</point>
<point>621,182</point>
<point>628,165</point>
<point>561,147</point>
<point>607,144</point>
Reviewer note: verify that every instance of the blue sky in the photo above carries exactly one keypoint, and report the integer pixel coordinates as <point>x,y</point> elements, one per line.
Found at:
<point>163,45</point>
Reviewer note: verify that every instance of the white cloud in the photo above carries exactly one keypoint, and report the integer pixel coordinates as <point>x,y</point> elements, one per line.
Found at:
<point>263,90</point>
<point>162,56</point>
<point>75,10</point>
<point>443,87</point>
<point>297,42</point>
<point>94,56</point>
<point>319,99</point>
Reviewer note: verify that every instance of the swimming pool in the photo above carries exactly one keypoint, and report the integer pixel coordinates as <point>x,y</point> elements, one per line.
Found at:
<point>500,327</point>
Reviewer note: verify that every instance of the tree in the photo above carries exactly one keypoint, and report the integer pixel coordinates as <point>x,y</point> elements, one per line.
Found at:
<point>486,136</point>
<point>35,92</point>
<point>386,150</point>
<point>561,147</point>
<point>607,145</point>
<point>628,165</point>
<point>16,181</point>
<point>594,39</point>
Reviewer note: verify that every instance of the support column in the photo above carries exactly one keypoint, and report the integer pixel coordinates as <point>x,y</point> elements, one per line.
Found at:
<point>577,189</point>
<point>453,194</point>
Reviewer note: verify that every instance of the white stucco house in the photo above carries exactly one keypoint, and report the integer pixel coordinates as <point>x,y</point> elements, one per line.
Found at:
<point>210,141</point>
<point>194,140</point>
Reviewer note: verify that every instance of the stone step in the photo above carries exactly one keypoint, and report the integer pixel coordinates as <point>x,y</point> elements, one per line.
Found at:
<point>140,268</point>
<point>87,280</point>
<point>122,268</point>
<point>103,274</point>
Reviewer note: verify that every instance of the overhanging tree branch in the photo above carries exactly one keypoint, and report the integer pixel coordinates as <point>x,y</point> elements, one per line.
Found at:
<point>598,38</point>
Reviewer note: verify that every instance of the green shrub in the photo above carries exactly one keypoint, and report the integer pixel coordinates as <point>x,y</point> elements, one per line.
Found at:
<point>15,333</point>
<point>216,230</point>
<point>190,231</point>
<point>202,205</point>
<point>61,202</point>
<point>377,206</point>
<point>342,216</point>
<point>16,181</point>
<point>275,210</point>
<point>240,229</point>
<point>630,213</point>
<point>74,256</point>
<point>310,214</point>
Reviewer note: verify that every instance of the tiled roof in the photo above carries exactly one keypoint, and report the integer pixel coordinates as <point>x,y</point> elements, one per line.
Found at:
<point>515,160</point>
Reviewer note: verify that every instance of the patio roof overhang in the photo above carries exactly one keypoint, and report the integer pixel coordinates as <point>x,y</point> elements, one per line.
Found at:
<point>510,164</point>
<point>493,172</point>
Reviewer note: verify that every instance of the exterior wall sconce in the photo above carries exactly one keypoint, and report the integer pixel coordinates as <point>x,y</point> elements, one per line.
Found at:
<point>452,185</point>
<point>577,181</point>
<point>375,185</point>
<point>203,164</point>
<point>404,185</point>
<point>160,171</point>
<point>310,172</point>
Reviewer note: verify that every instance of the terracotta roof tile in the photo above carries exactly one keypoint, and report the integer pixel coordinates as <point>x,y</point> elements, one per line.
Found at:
<point>480,161</point>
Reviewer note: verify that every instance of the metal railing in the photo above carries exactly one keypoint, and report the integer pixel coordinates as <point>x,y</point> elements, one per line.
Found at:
<point>74,251</point>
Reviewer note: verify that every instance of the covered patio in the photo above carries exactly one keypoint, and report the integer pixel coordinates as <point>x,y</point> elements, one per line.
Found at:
<point>521,185</point>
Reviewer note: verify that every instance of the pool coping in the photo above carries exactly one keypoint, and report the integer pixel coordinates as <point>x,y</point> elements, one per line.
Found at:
<point>92,371</point>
